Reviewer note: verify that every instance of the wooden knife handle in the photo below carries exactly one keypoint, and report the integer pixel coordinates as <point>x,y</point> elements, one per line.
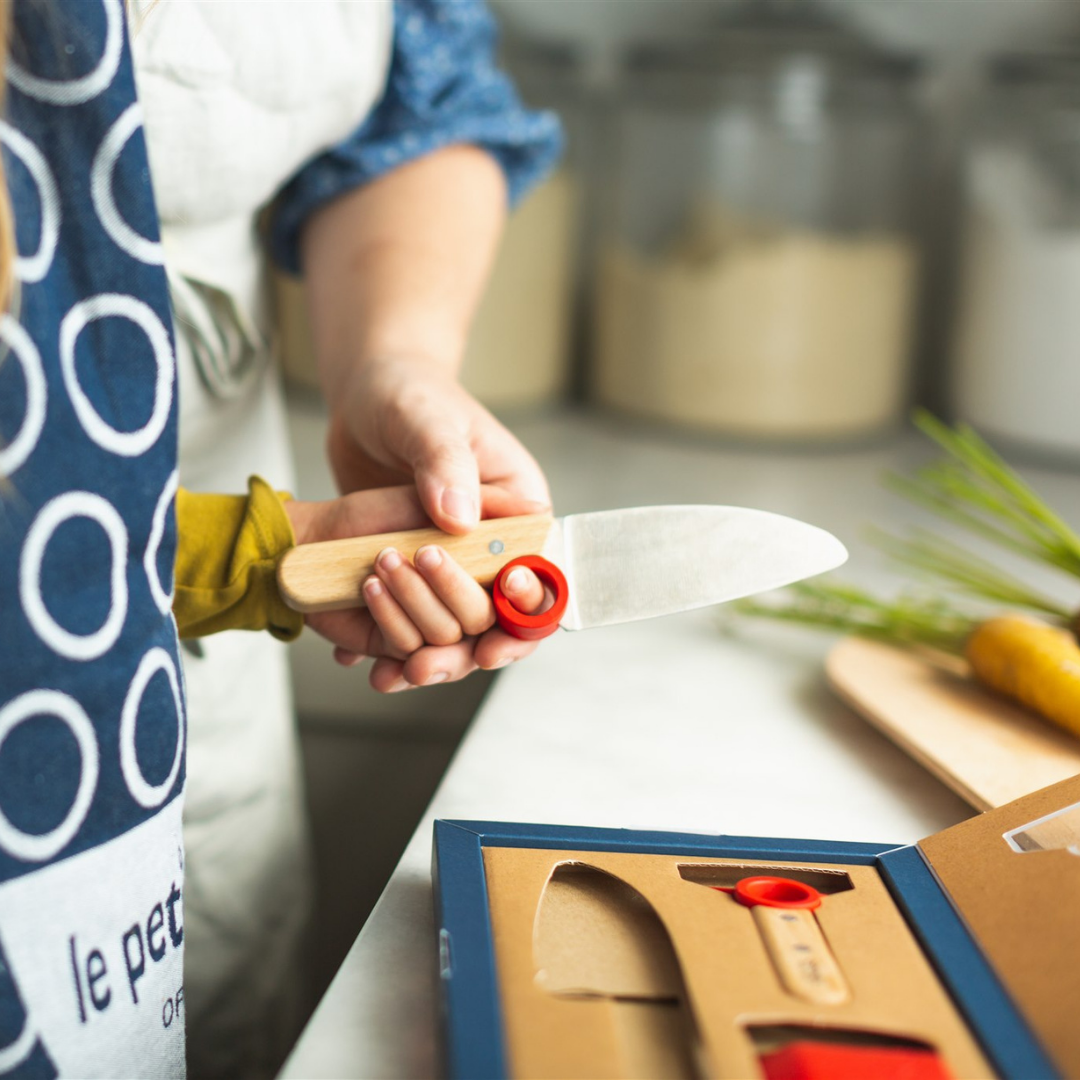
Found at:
<point>328,576</point>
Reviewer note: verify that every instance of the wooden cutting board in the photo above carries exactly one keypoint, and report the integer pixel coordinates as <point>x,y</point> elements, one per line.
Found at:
<point>984,748</point>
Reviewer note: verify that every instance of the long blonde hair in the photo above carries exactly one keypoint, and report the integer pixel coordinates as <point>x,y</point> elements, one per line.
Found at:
<point>7,218</point>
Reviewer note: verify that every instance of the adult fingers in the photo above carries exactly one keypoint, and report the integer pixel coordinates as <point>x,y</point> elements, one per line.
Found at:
<point>386,675</point>
<point>348,659</point>
<point>429,666</point>
<point>503,460</point>
<point>352,631</point>
<point>445,468</point>
<point>497,648</point>
<point>367,513</point>
<point>440,663</point>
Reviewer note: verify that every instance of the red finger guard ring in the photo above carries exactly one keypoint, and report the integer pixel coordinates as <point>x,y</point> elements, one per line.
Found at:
<point>544,623</point>
<point>776,892</point>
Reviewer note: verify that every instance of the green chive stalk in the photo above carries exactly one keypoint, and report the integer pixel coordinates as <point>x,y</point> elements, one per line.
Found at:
<point>973,488</point>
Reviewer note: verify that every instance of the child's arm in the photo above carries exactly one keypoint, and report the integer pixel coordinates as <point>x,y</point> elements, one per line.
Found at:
<point>227,552</point>
<point>421,623</point>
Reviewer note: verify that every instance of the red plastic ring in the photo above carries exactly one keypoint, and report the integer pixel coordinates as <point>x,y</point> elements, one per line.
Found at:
<point>777,892</point>
<point>532,627</point>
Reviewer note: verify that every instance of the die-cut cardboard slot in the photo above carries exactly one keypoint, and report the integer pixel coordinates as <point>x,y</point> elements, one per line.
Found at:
<point>596,935</point>
<point>823,1053</point>
<point>597,938</point>
<point>725,876</point>
<point>1059,831</point>
<point>558,1025</point>
<point>769,1037</point>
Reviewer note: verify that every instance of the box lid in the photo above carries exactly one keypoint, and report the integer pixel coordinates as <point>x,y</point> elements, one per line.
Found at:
<point>1013,873</point>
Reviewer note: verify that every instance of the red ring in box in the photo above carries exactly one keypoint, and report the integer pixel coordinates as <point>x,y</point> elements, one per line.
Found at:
<point>777,892</point>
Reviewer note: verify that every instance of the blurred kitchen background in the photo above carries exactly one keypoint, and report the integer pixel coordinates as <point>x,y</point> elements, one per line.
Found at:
<point>779,225</point>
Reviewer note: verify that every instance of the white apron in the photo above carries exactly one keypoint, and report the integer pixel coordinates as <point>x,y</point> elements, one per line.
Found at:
<point>236,96</point>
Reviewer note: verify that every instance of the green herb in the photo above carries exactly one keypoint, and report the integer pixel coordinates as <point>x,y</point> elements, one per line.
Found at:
<point>965,572</point>
<point>907,620</point>
<point>973,488</point>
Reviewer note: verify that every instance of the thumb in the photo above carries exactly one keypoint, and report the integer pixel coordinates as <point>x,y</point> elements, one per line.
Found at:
<point>447,478</point>
<point>523,589</point>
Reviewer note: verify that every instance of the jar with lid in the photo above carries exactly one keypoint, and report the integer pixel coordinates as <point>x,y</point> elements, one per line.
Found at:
<point>1015,371</point>
<point>757,276</point>
<point>520,349</point>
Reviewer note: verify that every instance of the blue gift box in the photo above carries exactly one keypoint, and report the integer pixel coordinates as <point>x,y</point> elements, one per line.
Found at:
<point>474,1029</point>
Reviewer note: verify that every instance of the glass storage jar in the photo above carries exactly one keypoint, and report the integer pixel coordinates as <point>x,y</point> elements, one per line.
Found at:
<point>520,348</point>
<point>1015,370</point>
<point>757,276</point>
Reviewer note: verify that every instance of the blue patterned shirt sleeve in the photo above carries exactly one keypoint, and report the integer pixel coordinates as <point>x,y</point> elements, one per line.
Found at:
<point>443,88</point>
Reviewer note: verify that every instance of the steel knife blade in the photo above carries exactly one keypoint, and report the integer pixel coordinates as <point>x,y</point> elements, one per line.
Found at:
<point>624,565</point>
<point>618,565</point>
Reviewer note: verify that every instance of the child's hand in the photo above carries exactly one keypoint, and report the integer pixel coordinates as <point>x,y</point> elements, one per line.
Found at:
<point>424,624</point>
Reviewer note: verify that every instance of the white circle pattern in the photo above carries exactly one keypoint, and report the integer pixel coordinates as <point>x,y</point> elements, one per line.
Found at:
<point>163,599</point>
<point>37,847</point>
<point>123,443</point>
<point>31,268</point>
<point>51,516</point>
<point>15,452</point>
<point>18,1051</point>
<point>142,791</point>
<point>123,235</point>
<point>77,91</point>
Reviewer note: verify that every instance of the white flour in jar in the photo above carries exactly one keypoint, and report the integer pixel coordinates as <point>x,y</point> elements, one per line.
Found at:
<point>758,331</point>
<point>1016,355</point>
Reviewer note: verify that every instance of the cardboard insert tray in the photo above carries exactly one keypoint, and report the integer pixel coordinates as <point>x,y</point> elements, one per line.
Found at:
<point>571,952</point>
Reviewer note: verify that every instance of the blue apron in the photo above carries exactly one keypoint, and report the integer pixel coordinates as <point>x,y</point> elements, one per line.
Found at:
<point>91,699</point>
<point>91,706</point>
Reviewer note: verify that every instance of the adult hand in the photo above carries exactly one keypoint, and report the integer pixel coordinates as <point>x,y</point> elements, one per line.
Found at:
<point>405,419</point>
<point>425,623</point>
<point>394,272</point>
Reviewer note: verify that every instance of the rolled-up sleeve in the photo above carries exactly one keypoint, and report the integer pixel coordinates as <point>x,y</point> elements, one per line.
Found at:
<point>443,88</point>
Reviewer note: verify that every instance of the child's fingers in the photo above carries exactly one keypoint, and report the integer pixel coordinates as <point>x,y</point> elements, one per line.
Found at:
<point>432,619</point>
<point>523,589</point>
<point>467,601</point>
<point>399,632</point>
<point>496,648</point>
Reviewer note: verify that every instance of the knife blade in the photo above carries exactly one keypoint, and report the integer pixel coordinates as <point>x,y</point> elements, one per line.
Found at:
<point>615,566</point>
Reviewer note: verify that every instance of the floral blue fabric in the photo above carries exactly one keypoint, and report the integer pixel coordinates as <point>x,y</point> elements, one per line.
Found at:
<point>443,88</point>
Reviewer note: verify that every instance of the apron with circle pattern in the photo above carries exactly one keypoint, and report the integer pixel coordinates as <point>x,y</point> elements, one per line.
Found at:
<point>91,697</point>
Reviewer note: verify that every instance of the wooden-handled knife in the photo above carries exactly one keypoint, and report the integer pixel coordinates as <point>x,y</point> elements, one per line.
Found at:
<point>602,568</point>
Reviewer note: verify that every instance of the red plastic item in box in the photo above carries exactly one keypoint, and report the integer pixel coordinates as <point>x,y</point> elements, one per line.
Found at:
<point>776,892</point>
<point>830,1061</point>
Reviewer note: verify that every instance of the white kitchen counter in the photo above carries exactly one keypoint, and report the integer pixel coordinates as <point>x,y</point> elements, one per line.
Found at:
<point>677,724</point>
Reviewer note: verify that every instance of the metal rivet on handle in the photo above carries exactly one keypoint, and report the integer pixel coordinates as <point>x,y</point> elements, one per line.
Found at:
<point>496,547</point>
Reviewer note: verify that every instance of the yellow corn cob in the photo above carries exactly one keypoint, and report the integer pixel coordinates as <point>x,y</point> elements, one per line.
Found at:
<point>1033,663</point>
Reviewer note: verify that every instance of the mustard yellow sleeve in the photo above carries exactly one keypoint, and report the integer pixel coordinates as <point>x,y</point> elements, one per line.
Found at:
<point>228,548</point>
